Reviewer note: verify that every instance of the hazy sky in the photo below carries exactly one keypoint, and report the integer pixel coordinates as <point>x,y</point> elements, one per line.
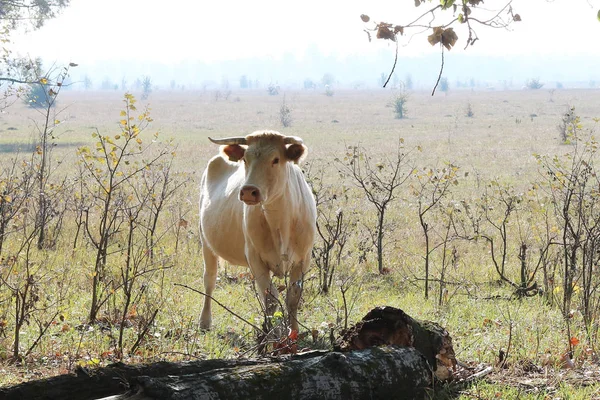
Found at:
<point>171,31</point>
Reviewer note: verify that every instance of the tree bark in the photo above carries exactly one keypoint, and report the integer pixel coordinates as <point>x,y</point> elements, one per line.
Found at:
<point>400,369</point>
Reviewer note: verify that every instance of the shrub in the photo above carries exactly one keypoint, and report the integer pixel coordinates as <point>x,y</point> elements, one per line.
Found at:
<point>469,112</point>
<point>399,105</point>
<point>534,83</point>
<point>328,91</point>
<point>285,114</point>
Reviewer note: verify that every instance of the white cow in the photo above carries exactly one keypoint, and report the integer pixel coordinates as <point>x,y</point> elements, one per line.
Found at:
<point>257,210</point>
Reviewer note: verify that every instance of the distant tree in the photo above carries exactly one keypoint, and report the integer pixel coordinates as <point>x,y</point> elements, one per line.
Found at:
<point>147,87</point>
<point>244,82</point>
<point>224,83</point>
<point>408,82</point>
<point>382,79</point>
<point>106,84</point>
<point>173,84</point>
<point>87,82</point>
<point>444,85</point>
<point>16,73</point>
<point>534,84</point>
<point>328,79</point>
<point>309,84</point>
<point>123,84</point>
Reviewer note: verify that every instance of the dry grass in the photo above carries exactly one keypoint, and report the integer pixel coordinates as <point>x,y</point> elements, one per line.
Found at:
<point>497,142</point>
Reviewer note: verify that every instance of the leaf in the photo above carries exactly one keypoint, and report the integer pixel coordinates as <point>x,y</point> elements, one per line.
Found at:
<point>384,31</point>
<point>123,113</point>
<point>436,36</point>
<point>365,18</point>
<point>138,140</point>
<point>517,18</point>
<point>293,335</point>
<point>72,64</point>
<point>399,29</point>
<point>44,81</point>
<point>449,38</point>
<point>574,341</point>
<point>446,4</point>
<point>598,15</point>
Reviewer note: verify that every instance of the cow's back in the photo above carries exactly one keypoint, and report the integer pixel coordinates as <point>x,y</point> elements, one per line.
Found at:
<point>221,211</point>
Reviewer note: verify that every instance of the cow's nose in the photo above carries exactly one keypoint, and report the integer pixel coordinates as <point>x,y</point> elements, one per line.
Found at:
<point>250,194</point>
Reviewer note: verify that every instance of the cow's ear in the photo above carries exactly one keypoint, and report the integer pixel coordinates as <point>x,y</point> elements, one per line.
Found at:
<point>295,152</point>
<point>235,152</point>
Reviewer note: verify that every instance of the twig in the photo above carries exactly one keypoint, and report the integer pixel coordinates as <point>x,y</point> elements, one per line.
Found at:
<point>141,335</point>
<point>441,70</point>
<point>219,303</point>
<point>480,374</point>
<point>393,66</point>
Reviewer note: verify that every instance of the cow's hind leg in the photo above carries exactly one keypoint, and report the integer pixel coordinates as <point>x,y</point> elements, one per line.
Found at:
<point>210,280</point>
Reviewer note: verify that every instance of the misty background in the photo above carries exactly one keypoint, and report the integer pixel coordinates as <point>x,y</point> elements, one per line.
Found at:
<point>352,71</point>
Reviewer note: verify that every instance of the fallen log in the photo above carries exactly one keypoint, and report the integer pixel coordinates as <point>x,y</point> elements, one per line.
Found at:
<point>400,369</point>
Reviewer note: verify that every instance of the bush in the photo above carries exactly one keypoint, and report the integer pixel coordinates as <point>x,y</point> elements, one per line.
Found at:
<point>328,91</point>
<point>285,114</point>
<point>469,112</point>
<point>399,105</point>
<point>569,124</point>
<point>534,84</point>
<point>273,90</point>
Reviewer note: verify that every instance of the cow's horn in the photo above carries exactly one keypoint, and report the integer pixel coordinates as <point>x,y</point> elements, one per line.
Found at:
<point>292,140</point>
<point>229,140</point>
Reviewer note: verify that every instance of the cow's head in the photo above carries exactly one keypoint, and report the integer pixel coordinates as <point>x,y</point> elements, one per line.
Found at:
<point>265,155</point>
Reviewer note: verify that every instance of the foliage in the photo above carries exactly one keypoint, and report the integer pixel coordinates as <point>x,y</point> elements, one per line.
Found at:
<point>112,166</point>
<point>469,14</point>
<point>34,12</point>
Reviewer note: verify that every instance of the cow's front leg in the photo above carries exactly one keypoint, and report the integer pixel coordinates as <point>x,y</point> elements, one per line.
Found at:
<point>294,291</point>
<point>262,276</point>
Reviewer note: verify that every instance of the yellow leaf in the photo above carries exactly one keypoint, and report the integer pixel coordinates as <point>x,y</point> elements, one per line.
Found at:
<point>138,140</point>
<point>44,81</point>
<point>56,122</point>
<point>7,199</point>
<point>123,122</point>
<point>123,113</point>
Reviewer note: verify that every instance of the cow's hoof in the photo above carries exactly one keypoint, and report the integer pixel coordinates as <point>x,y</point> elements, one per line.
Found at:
<point>205,325</point>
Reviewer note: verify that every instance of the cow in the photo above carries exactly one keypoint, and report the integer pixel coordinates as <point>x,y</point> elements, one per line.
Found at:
<point>257,210</point>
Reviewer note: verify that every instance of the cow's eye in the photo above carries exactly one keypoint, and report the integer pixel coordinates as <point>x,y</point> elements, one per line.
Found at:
<point>276,161</point>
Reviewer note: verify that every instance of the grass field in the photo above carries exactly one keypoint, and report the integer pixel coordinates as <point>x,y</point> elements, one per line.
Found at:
<point>497,142</point>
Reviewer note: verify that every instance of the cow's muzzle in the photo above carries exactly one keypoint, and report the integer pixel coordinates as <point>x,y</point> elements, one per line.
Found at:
<point>250,195</point>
